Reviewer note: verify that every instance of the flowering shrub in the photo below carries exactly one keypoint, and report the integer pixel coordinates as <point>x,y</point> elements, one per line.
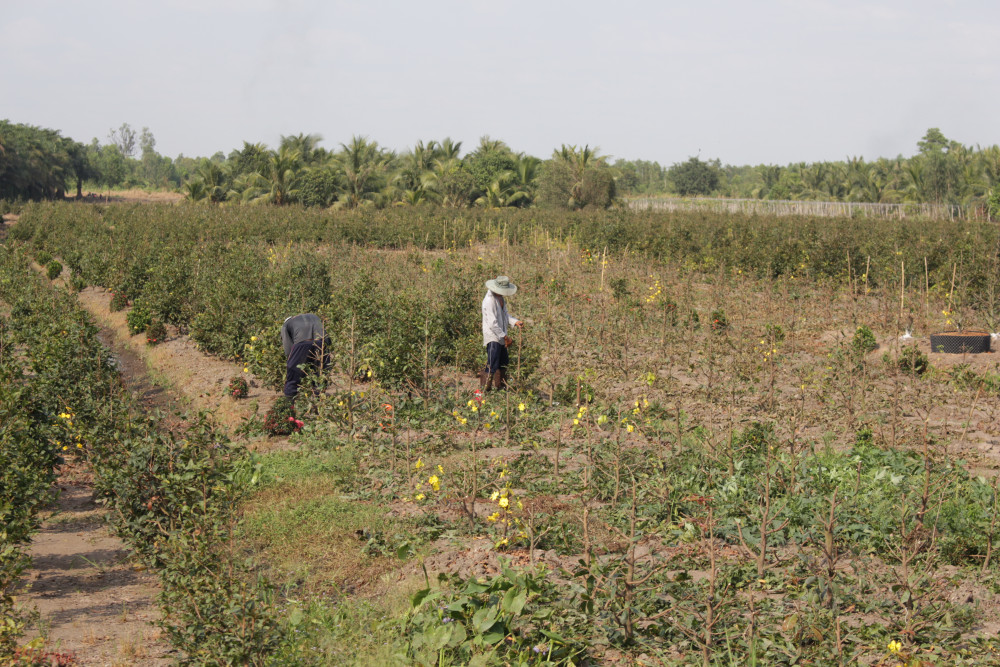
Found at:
<point>155,332</point>
<point>719,321</point>
<point>280,419</point>
<point>238,387</point>
<point>119,301</point>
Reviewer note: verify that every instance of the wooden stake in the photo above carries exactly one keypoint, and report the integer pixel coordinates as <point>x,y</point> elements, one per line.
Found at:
<point>902,287</point>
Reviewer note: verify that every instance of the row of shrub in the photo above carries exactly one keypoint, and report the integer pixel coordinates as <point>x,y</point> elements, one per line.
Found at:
<point>172,496</point>
<point>226,275</point>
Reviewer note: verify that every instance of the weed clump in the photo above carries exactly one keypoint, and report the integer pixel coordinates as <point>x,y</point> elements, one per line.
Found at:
<point>719,321</point>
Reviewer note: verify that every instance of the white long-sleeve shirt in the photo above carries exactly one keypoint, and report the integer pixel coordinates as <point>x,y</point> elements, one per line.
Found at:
<point>496,320</point>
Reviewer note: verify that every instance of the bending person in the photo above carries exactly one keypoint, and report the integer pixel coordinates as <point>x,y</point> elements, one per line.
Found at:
<point>306,344</point>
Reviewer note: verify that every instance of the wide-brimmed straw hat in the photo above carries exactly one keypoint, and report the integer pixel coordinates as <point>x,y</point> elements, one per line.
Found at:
<point>501,285</point>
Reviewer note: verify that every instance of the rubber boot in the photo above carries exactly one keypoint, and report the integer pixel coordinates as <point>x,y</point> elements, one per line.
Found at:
<point>500,379</point>
<point>485,380</point>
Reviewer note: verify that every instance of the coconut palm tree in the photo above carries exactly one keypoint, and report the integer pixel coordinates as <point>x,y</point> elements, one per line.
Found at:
<point>279,182</point>
<point>363,165</point>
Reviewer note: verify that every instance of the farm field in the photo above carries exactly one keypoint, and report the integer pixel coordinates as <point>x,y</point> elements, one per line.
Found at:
<point>727,442</point>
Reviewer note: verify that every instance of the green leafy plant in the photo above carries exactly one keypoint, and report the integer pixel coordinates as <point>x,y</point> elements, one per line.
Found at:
<point>863,342</point>
<point>912,360</point>
<point>53,269</point>
<point>138,319</point>
<point>516,617</point>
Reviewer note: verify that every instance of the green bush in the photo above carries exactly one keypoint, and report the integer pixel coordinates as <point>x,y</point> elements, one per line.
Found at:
<point>53,269</point>
<point>138,319</point>
<point>863,342</point>
<point>43,257</point>
<point>912,360</point>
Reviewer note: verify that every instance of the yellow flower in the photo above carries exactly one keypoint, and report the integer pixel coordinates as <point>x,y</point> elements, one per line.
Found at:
<point>419,496</point>
<point>435,482</point>
<point>418,465</point>
<point>246,370</point>
<point>494,495</point>
<point>65,447</point>
<point>79,446</point>
<point>475,408</point>
<point>504,503</point>
<point>493,517</point>
<point>576,422</point>
<point>471,403</point>
<point>253,338</point>
<point>520,406</point>
<point>895,647</point>
<point>630,428</point>
<point>440,469</point>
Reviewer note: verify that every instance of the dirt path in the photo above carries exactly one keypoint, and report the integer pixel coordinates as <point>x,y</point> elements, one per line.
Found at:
<point>92,600</point>
<point>199,380</point>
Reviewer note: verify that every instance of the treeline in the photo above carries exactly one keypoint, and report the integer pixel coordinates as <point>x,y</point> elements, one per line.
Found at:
<point>38,164</point>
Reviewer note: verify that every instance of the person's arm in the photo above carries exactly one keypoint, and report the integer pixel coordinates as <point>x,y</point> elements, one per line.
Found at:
<point>286,338</point>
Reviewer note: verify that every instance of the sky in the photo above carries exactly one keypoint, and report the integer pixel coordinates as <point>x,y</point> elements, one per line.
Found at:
<point>745,82</point>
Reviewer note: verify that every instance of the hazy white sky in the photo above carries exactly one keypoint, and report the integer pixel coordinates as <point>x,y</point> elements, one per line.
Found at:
<point>772,81</point>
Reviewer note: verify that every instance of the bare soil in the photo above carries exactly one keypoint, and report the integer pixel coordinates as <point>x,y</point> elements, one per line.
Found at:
<point>93,601</point>
<point>199,380</point>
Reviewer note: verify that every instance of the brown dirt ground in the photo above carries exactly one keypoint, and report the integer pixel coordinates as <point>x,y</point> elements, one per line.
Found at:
<point>93,601</point>
<point>199,380</point>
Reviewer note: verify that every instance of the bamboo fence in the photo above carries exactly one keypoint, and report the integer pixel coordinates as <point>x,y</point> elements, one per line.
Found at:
<point>831,209</point>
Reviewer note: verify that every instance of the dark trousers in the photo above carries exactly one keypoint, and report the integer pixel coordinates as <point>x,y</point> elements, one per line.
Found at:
<point>308,353</point>
<point>497,357</point>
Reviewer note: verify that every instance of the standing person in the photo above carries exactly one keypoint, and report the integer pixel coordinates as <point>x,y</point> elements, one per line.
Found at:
<point>496,323</point>
<point>305,342</point>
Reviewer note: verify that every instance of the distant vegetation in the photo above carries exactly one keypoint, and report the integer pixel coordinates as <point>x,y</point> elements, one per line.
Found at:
<point>39,164</point>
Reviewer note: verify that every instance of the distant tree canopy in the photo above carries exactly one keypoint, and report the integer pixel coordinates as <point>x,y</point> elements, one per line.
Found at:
<point>695,177</point>
<point>38,163</point>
